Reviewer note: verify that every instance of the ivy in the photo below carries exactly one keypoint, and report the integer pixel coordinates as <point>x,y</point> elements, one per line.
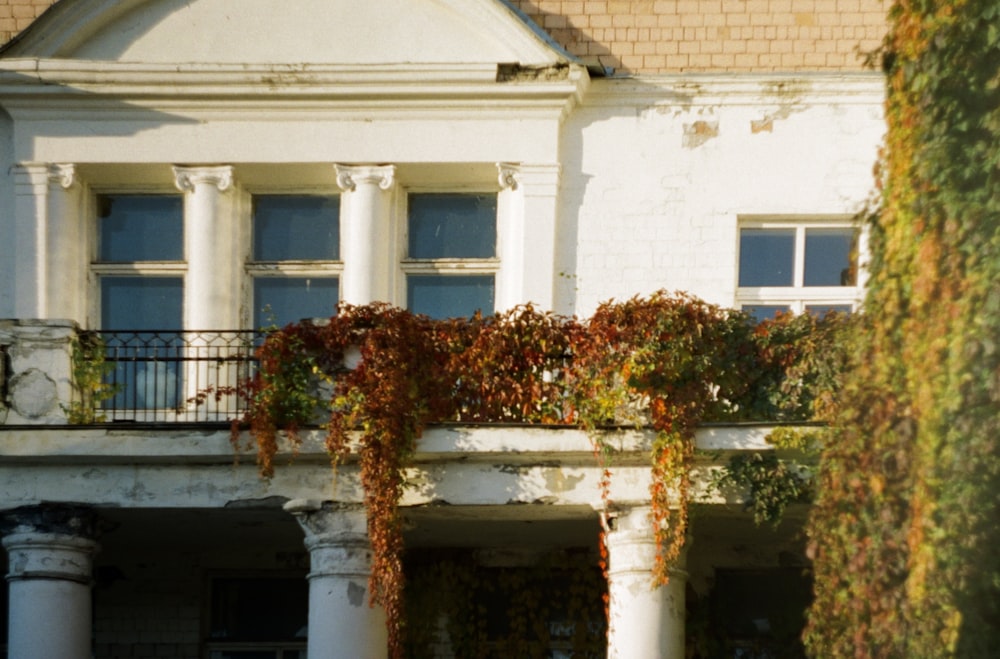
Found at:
<point>667,362</point>
<point>904,534</point>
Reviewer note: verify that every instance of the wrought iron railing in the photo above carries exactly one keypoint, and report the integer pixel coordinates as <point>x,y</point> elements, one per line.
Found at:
<point>153,376</point>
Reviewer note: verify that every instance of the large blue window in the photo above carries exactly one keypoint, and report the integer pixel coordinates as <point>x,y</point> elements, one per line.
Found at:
<point>451,254</point>
<point>295,260</point>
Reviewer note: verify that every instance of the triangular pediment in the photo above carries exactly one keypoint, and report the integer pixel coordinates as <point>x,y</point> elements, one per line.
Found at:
<point>343,32</point>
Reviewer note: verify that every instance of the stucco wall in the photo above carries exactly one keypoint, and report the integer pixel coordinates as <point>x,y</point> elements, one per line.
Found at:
<point>657,175</point>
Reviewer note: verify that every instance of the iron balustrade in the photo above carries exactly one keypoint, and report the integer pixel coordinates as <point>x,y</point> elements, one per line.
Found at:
<point>155,376</point>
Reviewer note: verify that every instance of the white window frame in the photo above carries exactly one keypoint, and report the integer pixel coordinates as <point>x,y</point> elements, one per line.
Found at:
<point>798,296</point>
<point>99,269</point>
<point>448,266</point>
<point>318,268</point>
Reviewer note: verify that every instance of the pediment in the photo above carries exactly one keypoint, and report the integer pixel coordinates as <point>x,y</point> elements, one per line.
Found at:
<point>293,32</point>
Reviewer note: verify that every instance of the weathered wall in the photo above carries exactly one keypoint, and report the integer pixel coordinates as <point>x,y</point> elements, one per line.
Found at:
<point>661,36</point>
<point>657,173</point>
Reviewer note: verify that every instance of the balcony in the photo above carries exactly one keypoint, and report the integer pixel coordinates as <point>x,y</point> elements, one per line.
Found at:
<point>55,374</point>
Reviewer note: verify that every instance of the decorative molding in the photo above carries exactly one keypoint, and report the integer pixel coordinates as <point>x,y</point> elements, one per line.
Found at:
<point>509,175</point>
<point>63,174</point>
<point>187,178</point>
<point>350,176</point>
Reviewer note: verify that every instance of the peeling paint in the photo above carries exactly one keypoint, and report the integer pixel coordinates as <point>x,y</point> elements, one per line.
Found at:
<point>355,594</point>
<point>699,132</point>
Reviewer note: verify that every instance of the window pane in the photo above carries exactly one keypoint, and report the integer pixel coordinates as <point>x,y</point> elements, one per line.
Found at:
<point>443,226</point>
<point>296,228</point>
<point>761,312</point>
<point>282,300</point>
<point>821,310</point>
<point>442,296</point>
<point>140,228</point>
<point>248,610</point>
<point>830,257</point>
<point>767,257</point>
<point>141,303</point>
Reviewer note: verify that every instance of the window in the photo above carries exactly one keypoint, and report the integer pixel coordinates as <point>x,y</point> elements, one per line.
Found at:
<point>258,618</point>
<point>140,271</point>
<point>797,267</point>
<point>295,258</point>
<point>451,261</point>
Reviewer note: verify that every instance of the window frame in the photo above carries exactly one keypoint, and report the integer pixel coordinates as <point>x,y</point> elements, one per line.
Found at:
<point>451,266</point>
<point>97,269</point>
<point>210,645</point>
<point>797,296</point>
<point>288,268</point>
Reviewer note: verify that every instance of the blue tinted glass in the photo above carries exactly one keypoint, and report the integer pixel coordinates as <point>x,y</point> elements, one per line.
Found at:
<point>767,257</point>
<point>445,226</point>
<point>761,312</point>
<point>282,300</point>
<point>140,228</point>
<point>296,228</point>
<point>830,257</point>
<point>821,310</point>
<point>443,296</point>
<point>141,303</point>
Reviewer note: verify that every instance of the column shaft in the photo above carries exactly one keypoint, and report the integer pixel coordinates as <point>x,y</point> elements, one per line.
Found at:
<point>366,233</point>
<point>342,624</point>
<point>645,622</point>
<point>50,559</point>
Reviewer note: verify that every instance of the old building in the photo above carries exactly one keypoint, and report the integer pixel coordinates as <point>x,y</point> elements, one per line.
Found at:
<point>175,172</point>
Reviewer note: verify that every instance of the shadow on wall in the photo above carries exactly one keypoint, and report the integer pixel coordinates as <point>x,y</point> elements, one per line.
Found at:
<point>577,41</point>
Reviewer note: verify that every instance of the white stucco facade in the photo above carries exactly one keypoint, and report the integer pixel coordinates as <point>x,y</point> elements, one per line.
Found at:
<point>605,188</point>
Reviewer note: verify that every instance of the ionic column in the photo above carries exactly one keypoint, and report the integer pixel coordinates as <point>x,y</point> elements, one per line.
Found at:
<point>645,622</point>
<point>527,213</point>
<point>66,260</point>
<point>213,282</point>
<point>50,554</point>
<point>366,233</point>
<point>342,625</point>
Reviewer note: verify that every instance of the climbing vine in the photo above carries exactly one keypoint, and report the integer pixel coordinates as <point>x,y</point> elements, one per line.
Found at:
<point>904,534</point>
<point>376,376</point>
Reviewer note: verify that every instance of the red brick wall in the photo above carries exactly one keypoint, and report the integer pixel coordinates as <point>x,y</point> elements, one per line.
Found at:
<point>672,36</point>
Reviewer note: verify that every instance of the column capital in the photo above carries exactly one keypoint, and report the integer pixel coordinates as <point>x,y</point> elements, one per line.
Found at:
<point>50,542</point>
<point>52,518</point>
<point>508,175</point>
<point>64,174</point>
<point>350,176</point>
<point>336,537</point>
<point>186,178</point>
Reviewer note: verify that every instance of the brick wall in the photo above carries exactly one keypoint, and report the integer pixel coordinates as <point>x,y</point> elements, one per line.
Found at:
<point>672,36</point>
<point>15,15</point>
<point>676,36</point>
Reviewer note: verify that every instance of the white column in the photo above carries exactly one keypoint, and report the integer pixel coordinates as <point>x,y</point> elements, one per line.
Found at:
<point>213,283</point>
<point>67,254</point>
<point>28,244</point>
<point>50,551</point>
<point>366,233</point>
<point>527,214</point>
<point>645,622</point>
<point>342,625</point>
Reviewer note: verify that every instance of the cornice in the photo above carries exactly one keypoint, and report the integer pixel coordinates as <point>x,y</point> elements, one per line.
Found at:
<point>860,88</point>
<point>61,86</point>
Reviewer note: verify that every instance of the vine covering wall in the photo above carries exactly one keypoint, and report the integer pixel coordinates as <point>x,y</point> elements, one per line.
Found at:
<point>904,534</point>
<point>666,361</point>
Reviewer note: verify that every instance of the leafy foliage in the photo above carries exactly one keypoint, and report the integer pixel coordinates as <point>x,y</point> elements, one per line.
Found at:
<point>666,361</point>
<point>904,534</point>
<point>89,370</point>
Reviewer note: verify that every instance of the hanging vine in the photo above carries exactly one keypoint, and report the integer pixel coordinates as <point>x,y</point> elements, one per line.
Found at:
<point>668,362</point>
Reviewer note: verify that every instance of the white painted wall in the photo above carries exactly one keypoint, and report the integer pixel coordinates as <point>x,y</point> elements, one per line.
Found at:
<point>646,204</point>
